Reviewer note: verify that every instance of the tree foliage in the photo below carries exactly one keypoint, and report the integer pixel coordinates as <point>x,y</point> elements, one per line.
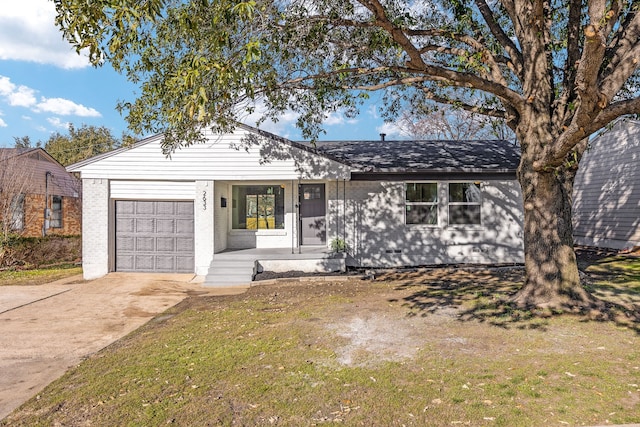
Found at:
<point>80,144</point>
<point>555,70</point>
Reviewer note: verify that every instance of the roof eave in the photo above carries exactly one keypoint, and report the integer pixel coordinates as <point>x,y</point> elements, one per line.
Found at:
<point>434,174</point>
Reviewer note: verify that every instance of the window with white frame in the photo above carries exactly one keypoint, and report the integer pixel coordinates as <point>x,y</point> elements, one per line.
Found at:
<point>17,213</point>
<point>421,203</point>
<point>465,201</point>
<point>55,221</point>
<point>257,207</point>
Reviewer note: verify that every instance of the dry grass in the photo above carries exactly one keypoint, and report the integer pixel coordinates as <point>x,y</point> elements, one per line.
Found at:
<point>432,347</point>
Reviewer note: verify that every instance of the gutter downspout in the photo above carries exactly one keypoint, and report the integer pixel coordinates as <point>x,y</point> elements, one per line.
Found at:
<point>45,224</point>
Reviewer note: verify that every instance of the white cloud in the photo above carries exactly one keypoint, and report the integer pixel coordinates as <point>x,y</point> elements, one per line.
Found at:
<point>65,107</point>
<point>6,87</point>
<point>28,33</point>
<point>391,130</point>
<point>56,122</point>
<point>373,111</point>
<point>281,128</point>
<point>23,96</point>
<point>3,124</point>
<point>16,96</point>
<point>334,119</point>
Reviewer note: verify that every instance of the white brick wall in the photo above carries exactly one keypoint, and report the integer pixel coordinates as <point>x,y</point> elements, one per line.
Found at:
<point>95,228</point>
<point>204,211</point>
<point>377,236</point>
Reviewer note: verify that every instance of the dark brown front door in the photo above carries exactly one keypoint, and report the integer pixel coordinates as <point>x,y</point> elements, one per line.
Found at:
<point>313,214</point>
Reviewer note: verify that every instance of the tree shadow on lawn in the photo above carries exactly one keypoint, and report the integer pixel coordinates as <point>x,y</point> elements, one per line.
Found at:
<point>484,295</point>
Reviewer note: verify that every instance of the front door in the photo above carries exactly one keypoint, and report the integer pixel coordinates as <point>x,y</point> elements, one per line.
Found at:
<point>313,214</point>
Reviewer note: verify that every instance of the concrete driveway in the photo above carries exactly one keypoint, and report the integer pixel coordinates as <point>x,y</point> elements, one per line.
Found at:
<point>46,329</point>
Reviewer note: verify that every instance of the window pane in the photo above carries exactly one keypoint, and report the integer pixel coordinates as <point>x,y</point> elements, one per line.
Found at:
<point>422,192</point>
<point>422,214</point>
<point>17,213</point>
<point>257,207</point>
<point>465,192</point>
<point>464,214</point>
<point>56,212</point>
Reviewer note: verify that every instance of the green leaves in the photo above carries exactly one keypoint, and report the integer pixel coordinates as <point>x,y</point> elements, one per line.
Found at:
<point>204,63</point>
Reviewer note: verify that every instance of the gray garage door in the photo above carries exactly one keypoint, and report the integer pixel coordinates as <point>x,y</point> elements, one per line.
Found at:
<point>154,236</point>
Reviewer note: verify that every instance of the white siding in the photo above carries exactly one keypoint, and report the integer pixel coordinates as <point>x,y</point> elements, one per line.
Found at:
<point>153,190</point>
<point>374,227</point>
<point>606,207</point>
<point>239,156</point>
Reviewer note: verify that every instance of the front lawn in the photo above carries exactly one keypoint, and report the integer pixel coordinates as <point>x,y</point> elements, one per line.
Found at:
<point>38,276</point>
<point>432,347</point>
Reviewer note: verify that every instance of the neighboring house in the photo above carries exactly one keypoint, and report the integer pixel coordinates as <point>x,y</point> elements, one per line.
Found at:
<point>394,203</point>
<point>37,195</point>
<point>606,205</point>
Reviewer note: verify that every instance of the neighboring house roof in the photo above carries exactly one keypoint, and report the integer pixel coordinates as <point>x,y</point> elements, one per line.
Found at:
<point>372,160</point>
<point>32,165</point>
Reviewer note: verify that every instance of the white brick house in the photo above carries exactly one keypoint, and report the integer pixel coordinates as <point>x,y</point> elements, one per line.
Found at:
<point>394,203</point>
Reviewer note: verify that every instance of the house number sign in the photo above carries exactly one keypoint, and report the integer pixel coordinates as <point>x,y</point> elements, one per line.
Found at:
<point>204,200</point>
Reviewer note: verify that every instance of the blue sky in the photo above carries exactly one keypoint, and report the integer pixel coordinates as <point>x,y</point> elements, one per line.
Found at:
<point>45,85</point>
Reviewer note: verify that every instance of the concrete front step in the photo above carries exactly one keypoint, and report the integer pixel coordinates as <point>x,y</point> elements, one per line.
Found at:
<point>229,272</point>
<point>239,267</point>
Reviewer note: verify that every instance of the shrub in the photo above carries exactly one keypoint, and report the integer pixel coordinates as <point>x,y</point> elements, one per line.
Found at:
<point>35,252</point>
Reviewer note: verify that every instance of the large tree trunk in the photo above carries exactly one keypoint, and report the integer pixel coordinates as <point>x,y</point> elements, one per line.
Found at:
<point>552,279</point>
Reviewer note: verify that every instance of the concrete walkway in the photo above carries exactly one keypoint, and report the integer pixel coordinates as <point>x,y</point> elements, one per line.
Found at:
<point>46,329</point>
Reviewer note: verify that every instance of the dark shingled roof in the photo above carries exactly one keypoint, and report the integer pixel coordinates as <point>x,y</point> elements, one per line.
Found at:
<point>425,157</point>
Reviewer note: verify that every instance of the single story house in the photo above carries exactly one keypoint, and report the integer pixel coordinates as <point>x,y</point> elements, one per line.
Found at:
<point>391,203</point>
<point>37,195</point>
<point>606,197</point>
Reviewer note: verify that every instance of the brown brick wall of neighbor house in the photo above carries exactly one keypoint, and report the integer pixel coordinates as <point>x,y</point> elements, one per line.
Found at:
<point>34,216</point>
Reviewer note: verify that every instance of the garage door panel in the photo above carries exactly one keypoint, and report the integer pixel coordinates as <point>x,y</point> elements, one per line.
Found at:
<point>185,209</point>
<point>166,263</point>
<point>144,225</point>
<point>125,224</point>
<point>126,207</point>
<point>184,263</point>
<point>145,244</point>
<point>154,236</point>
<point>144,263</point>
<point>184,226</point>
<point>145,208</point>
<point>166,244</point>
<point>165,208</point>
<point>183,245</point>
<point>126,243</point>
<point>165,226</point>
<point>125,262</point>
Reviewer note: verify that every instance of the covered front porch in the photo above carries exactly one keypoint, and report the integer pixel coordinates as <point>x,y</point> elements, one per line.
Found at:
<point>235,267</point>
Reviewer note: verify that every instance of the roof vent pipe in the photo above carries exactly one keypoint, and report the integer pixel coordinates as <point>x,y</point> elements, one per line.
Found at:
<point>382,135</point>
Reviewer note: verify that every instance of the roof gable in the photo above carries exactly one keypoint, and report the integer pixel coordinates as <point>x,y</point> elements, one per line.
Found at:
<point>245,154</point>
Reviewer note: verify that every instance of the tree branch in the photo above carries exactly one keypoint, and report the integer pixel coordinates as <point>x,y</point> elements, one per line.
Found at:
<point>555,154</point>
<point>497,31</point>
<point>623,58</point>
<point>381,20</point>
<point>499,114</point>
